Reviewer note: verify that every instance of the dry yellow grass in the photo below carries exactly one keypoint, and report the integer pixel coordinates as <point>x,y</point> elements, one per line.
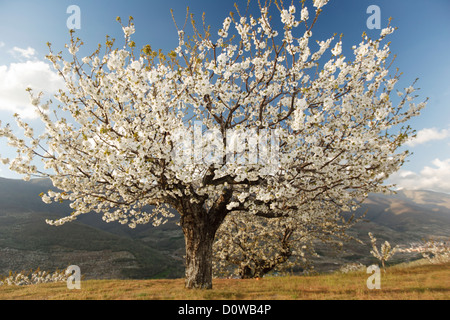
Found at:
<point>426,282</point>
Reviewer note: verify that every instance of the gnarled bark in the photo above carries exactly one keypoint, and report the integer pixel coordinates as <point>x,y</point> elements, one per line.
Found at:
<point>199,227</point>
<point>199,237</point>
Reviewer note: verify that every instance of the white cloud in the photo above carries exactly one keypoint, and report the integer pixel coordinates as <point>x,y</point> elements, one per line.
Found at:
<point>428,134</point>
<point>2,44</point>
<point>435,177</point>
<point>23,53</point>
<point>15,78</point>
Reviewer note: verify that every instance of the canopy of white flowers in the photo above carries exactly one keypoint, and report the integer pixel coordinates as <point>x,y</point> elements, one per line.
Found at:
<point>110,145</point>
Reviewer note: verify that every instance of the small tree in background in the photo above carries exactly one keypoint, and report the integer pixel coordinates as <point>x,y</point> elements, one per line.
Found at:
<point>435,250</point>
<point>249,246</point>
<point>110,145</point>
<point>385,253</point>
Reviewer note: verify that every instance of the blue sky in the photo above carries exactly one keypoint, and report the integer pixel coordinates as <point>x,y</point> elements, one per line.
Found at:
<point>422,45</point>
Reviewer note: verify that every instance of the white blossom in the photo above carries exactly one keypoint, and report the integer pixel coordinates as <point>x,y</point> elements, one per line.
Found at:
<point>33,278</point>
<point>304,14</point>
<point>320,3</point>
<point>129,30</point>
<point>386,31</point>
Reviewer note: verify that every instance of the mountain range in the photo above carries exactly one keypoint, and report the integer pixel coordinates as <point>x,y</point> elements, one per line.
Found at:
<point>111,250</point>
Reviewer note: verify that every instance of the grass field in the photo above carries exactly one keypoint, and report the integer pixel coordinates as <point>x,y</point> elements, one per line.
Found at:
<point>419,282</point>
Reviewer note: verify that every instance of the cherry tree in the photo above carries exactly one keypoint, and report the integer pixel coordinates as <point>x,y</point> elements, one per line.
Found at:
<point>385,253</point>
<point>435,250</point>
<point>250,246</point>
<point>110,144</point>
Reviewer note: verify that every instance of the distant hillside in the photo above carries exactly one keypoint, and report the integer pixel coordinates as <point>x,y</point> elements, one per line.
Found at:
<point>112,250</point>
<point>412,212</point>
<point>402,219</point>
<point>101,250</point>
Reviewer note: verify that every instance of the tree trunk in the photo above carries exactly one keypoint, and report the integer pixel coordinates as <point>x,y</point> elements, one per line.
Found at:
<point>199,228</point>
<point>247,272</point>
<point>199,242</point>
